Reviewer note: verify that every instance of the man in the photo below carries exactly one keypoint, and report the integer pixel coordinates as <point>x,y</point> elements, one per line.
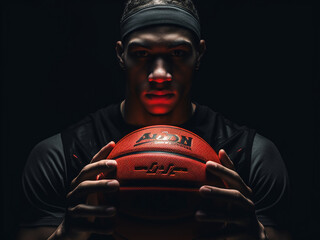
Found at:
<point>160,51</point>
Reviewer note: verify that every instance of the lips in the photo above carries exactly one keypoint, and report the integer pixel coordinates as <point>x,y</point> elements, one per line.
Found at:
<point>160,97</point>
<point>167,96</point>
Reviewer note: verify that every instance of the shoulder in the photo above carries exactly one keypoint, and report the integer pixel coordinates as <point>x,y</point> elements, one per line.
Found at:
<point>269,182</point>
<point>45,170</point>
<point>50,149</point>
<point>262,144</point>
<point>45,162</point>
<point>94,131</point>
<point>106,114</point>
<point>221,129</point>
<point>268,172</point>
<point>265,154</point>
<point>44,184</point>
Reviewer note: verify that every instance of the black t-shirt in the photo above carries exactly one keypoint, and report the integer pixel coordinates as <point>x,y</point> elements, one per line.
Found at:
<point>45,186</point>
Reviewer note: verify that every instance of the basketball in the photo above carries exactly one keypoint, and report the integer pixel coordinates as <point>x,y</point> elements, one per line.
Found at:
<point>160,169</point>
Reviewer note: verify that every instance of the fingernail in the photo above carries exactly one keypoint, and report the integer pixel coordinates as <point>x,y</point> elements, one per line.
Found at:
<point>205,190</point>
<point>113,184</point>
<point>111,163</point>
<point>212,164</point>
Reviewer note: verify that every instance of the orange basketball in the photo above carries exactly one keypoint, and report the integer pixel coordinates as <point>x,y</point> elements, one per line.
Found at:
<point>160,169</point>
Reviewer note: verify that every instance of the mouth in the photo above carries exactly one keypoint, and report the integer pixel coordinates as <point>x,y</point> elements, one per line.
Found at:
<point>160,97</point>
<point>159,94</point>
<point>159,101</point>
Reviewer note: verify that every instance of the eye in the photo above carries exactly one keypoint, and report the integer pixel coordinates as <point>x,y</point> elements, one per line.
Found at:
<point>178,53</point>
<point>141,53</point>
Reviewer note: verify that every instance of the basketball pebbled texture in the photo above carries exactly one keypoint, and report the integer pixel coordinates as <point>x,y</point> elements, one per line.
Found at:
<point>160,169</point>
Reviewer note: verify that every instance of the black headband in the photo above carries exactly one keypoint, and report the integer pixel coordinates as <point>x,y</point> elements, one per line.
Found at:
<point>159,15</point>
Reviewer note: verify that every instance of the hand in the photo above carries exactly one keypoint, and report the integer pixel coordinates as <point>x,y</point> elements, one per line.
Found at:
<point>238,217</point>
<point>83,208</point>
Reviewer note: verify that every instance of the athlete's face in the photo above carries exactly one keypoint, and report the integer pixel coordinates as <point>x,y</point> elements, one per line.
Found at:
<point>160,63</point>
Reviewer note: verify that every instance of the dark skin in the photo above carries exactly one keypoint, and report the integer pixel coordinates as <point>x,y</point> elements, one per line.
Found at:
<point>160,63</point>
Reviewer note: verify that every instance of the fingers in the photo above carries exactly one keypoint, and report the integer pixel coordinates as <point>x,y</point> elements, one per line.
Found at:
<point>225,160</point>
<point>230,196</point>
<point>90,171</point>
<point>99,164</point>
<point>86,216</point>
<point>238,211</point>
<point>81,191</point>
<point>104,152</point>
<point>231,177</point>
<point>83,210</point>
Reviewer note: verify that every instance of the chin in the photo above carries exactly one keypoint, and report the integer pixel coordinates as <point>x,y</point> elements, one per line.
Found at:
<point>159,110</point>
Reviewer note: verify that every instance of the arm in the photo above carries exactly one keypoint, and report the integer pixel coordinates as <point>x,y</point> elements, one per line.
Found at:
<point>43,190</point>
<point>270,184</point>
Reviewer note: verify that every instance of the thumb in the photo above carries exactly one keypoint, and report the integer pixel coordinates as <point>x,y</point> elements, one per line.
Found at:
<point>104,152</point>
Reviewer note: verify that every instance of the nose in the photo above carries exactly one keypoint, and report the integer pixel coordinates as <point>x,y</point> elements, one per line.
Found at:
<point>159,72</point>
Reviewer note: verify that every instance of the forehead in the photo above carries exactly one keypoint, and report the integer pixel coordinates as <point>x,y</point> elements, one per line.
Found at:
<point>161,35</point>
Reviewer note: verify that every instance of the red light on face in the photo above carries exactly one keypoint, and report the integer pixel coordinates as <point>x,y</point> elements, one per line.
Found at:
<point>160,80</point>
<point>159,110</point>
<point>159,101</point>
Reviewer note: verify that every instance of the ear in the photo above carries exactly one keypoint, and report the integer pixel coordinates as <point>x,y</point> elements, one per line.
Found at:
<point>201,50</point>
<point>120,52</point>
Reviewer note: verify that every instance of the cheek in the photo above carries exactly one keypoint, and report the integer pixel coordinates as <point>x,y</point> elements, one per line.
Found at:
<point>185,67</point>
<point>134,70</point>
<point>184,75</point>
<point>136,82</point>
<point>136,74</point>
<point>182,86</point>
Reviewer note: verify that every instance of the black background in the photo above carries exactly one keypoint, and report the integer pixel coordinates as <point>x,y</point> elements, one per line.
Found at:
<point>261,69</point>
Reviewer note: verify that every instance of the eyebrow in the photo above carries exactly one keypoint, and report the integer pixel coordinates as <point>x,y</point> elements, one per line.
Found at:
<point>148,45</point>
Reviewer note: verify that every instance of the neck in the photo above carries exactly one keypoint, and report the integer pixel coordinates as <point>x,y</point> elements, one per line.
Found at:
<point>139,117</point>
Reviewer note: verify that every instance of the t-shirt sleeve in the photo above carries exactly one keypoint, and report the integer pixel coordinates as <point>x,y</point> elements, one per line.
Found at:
<point>43,185</point>
<point>270,184</point>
